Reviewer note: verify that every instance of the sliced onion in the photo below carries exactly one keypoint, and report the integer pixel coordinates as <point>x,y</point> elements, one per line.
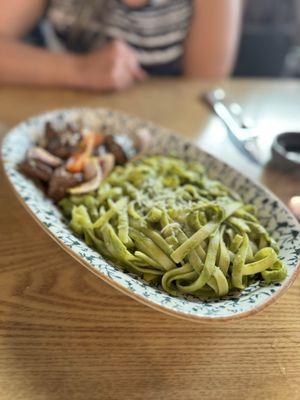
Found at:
<point>38,153</point>
<point>90,170</point>
<point>92,184</point>
<point>107,162</point>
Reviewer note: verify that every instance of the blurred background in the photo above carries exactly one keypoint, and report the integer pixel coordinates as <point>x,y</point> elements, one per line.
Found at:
<point>270,42</point>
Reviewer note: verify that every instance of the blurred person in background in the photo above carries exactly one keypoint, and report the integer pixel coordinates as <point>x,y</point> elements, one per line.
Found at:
<point>268,45</point>
<point>109,45</point>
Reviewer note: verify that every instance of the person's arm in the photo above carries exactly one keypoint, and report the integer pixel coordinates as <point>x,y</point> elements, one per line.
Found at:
<point>113,67</point>
<point>211,45</point>
<point>22,63</point>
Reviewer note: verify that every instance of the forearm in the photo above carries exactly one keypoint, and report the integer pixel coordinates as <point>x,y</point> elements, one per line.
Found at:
<point>212,42</point>
<point>21,63</point>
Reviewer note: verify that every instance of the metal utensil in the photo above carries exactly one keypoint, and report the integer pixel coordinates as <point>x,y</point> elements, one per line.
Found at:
<point>239,129</point>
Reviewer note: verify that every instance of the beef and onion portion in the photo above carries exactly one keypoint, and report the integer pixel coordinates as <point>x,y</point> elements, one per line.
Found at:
<point>74,160</point>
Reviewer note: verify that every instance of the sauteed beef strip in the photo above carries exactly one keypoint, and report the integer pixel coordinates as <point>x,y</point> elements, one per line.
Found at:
<point>61,181</point>
<point>122,147</point>
<point>36,169</point>
<point>62,143</point>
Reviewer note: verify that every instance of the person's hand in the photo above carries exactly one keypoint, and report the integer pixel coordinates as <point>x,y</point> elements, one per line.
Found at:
<point>114,67</point>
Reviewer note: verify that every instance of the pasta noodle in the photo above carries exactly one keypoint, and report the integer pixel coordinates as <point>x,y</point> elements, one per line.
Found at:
<point>165,220</point>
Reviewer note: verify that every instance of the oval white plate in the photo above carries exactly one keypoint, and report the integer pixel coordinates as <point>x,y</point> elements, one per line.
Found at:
<point>272,213</point>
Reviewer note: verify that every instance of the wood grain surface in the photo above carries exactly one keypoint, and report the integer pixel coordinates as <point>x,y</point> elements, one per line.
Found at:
<point>64,334</point>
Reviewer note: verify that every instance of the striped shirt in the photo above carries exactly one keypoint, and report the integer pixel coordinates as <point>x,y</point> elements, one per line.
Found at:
<point>156,31</point>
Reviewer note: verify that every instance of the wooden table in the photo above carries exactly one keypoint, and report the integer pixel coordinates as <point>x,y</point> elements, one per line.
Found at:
<point>64,334</point>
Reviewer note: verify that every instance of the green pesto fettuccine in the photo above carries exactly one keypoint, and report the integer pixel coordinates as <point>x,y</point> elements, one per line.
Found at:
<point>165,220</point>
